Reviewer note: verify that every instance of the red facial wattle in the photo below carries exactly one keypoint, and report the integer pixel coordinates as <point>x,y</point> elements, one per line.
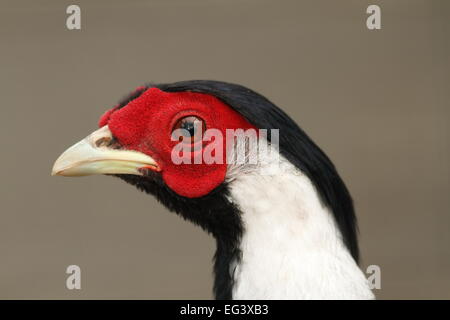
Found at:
<point>146,123</point>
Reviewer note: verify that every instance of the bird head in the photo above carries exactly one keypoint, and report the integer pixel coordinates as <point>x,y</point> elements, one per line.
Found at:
<point>140,139</point>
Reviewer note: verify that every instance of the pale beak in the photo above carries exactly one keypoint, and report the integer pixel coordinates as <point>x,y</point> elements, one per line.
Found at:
<point>95,155</point>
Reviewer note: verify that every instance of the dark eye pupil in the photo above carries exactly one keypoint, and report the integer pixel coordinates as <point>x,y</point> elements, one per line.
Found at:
<point>192,129</point>
<point>189,126</point>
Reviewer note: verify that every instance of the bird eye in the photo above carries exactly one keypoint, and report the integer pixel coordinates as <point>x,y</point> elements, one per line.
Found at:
<point>193,128</point>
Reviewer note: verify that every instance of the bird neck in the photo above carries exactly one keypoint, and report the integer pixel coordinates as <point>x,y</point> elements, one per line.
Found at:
<point>290,246</point>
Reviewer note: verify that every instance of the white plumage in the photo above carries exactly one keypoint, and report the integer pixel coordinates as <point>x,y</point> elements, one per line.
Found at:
<point>291,247</point>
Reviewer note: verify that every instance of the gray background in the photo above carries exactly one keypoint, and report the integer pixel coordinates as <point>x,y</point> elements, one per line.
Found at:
<point>376,101</point>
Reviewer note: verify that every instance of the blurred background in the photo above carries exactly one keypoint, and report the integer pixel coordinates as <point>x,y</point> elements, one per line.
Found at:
<point>377,102</point>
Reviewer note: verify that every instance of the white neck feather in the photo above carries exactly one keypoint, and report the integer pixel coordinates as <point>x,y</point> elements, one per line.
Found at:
<point>291,246</point>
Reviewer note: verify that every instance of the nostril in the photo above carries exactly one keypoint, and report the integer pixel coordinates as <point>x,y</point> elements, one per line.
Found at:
<point>108,142</point>
<point>103,142</point>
